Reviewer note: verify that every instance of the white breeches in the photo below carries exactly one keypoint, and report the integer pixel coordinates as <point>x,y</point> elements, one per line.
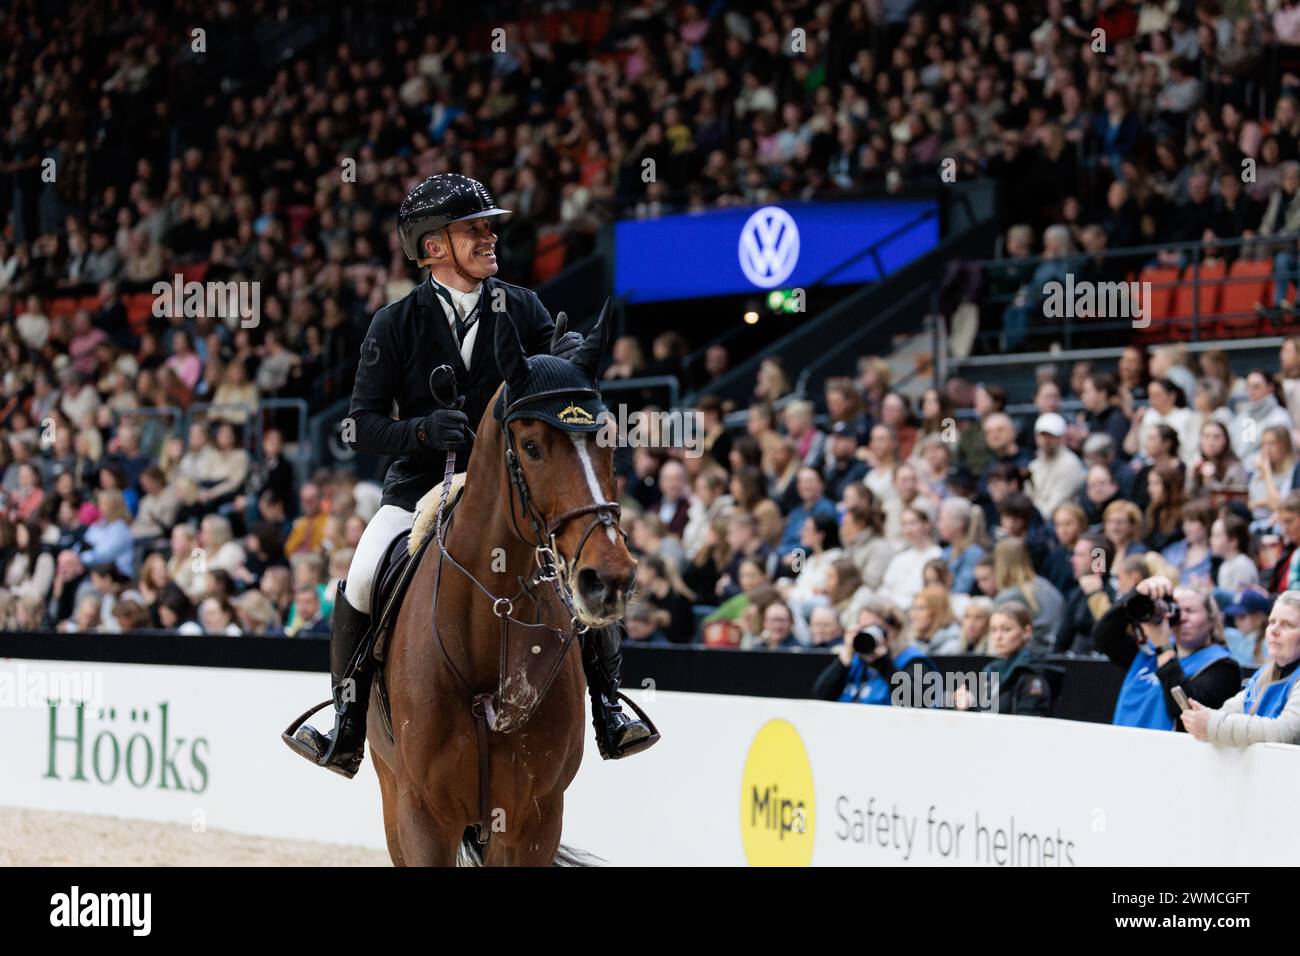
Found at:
<point>388,522</point>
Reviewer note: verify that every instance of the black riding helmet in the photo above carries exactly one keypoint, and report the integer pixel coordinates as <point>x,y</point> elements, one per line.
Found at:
<point>438,202</point>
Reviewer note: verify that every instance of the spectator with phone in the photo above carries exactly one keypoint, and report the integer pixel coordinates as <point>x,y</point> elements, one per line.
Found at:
<point>1265,710</point>
<point>1166,637</point>
<point>864,671</point>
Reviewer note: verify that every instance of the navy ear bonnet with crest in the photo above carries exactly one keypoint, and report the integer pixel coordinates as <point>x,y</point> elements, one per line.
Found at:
<point>559,391</point>
<point>556,392</point>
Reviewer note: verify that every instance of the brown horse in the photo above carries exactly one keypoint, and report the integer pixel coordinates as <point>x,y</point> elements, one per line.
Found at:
<point>430,772</point>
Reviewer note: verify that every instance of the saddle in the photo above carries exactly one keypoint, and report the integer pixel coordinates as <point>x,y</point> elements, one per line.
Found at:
<point>393,577</point>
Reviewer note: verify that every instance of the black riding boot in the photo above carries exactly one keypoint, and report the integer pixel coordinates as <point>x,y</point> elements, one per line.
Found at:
<point>351,669</point>
<point>617,734</point>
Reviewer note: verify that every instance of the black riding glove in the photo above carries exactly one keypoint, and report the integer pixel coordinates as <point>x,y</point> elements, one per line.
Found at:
<point>564,343</point>
<point>446,428</point>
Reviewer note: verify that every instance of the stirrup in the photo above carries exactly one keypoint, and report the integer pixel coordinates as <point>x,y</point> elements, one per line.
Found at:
<point>322,748</point>
<point>636,746</point>
<point>321,744</point>
<point>288,735</point>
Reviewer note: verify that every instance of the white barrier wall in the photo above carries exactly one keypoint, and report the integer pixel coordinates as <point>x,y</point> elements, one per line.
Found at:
<point>734,779</point>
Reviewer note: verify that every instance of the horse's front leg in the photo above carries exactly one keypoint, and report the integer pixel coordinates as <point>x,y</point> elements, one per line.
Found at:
<point>537,838</point>
<point>424,840</point>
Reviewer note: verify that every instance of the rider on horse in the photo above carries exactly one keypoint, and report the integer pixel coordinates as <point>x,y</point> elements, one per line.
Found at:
<point>442,224</point>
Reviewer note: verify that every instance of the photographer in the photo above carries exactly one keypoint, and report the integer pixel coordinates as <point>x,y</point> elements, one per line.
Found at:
<point>1265,709</point>
<point>1166,637</point>
<point>863,670</point>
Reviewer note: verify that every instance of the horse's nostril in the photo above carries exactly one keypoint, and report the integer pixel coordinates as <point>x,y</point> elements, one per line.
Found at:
<point>591,586</point>
<point>615,586</point>
<point>603,591</point>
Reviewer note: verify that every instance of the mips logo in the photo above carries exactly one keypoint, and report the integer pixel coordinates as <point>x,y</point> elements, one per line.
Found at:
<point>778,810</point>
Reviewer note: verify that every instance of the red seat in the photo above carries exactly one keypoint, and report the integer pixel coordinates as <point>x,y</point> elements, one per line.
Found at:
<point>62,307</point>
<point>139,309</point>
<point>1189,298</point>
<point>1248,285</point>
<point>1160,307</point>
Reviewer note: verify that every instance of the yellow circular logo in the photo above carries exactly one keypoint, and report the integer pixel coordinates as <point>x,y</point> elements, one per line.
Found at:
<point>778,810</point>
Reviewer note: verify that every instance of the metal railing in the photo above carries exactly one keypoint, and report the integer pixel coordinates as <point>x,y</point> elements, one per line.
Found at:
<point>300,451</point>
<point>1018,372</point>
<point>667,382</point>
<point>172,412</point>
<point>204,410</point>
<point>873,251</point>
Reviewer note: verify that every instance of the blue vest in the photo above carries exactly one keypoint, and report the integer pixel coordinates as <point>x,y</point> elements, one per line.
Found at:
<point>1142,698</point>
<point>1274,698</point>
<point>866,685</point>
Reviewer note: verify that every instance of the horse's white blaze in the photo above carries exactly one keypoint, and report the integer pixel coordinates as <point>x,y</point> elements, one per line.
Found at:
<point>589,470</point>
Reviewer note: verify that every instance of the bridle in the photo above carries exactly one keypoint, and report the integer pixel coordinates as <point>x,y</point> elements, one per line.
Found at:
<point>604,513</point>
<point>545,550</point>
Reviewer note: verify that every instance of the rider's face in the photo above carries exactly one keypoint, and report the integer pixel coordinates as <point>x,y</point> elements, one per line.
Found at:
<point>474,244</point>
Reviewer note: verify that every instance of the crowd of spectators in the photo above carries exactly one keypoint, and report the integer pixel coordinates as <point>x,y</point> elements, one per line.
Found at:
<point>863,507</point>
<point>1121,123</point>
<point>927,523</point>
<point>945,516</point>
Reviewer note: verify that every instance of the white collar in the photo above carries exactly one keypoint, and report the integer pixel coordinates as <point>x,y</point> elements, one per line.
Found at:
<point>462,302</point>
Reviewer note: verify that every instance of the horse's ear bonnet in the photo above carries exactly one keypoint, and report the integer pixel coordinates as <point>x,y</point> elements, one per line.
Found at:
<point>557,391</point>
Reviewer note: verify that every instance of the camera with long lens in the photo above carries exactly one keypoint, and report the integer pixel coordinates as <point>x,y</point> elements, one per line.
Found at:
<point>1143,609</point>
<point>868,639</point>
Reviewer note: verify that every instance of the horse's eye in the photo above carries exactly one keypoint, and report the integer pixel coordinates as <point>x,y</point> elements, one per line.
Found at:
<point>530,447</point>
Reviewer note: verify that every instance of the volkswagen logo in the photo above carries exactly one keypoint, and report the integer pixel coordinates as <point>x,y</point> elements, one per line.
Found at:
<point>769,247</point>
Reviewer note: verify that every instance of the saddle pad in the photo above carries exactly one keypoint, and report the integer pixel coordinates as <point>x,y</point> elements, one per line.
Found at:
<point>426,512</point>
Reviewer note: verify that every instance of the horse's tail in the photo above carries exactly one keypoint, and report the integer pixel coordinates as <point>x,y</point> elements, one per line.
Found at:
<point>570,856</point>
<point>471,853</point>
